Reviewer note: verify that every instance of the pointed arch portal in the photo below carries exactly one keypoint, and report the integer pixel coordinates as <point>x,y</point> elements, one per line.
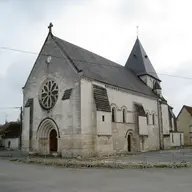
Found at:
<point>129,142</point>
<point>47,135</point>
<point>53,140</point>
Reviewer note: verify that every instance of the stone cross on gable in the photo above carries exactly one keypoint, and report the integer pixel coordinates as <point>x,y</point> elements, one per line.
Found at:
<point>50,27</point>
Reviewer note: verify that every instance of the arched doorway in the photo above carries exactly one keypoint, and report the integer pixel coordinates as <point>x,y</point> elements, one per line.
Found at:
<point>48,137</point>
<point>53,141</point>
<point>129,143</point>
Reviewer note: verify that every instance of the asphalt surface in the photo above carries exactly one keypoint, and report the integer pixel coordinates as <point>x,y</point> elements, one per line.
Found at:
<point>162,156</point>
<point>16,177</point>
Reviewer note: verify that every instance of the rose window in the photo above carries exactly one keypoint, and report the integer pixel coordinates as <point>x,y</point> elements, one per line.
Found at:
<point>49,94</point>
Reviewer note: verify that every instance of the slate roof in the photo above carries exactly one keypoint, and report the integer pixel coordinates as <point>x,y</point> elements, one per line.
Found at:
<point>98,68</point>
<point>11,130</point>
<point>101,98</point>
<point>139,61</point>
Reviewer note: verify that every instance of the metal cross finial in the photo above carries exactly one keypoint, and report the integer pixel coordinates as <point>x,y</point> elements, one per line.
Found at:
<point>137,31</point>
<point>50,27</point>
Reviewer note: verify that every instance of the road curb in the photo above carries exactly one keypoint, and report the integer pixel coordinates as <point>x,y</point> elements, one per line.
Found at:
<point>103,164</point>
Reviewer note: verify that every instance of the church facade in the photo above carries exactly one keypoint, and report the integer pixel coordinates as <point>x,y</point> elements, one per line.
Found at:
<point>78,103</point>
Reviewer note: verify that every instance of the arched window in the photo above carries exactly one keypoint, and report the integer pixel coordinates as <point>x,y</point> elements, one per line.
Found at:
<point>153,118</point>
<point>147,117</point>
<point>124,115</point>
<point>113,117</point>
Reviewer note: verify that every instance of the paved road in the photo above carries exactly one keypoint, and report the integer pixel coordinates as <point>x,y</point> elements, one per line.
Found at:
<point>162,156</point>
<point>15,177</point>
<point>155,156</point>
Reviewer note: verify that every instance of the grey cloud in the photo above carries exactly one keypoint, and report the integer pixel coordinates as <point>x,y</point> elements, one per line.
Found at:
<point>24,26</point>
<point>177,87</point>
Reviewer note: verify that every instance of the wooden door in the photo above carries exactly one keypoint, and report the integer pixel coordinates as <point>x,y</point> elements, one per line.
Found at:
<point>53,140</point>
<point>129,143</point>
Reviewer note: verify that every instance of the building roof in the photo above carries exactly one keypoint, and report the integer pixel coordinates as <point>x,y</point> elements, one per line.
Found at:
<point>188,108</point>
<point>11,130</point>
<point>139,62</point>
<point>98,68</point>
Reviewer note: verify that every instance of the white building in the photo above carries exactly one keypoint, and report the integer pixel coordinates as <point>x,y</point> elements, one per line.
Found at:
<point>10,135</point>
<point>79,103</point>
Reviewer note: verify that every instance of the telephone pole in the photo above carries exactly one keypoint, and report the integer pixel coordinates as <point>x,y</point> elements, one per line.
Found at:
<point>21,127</point>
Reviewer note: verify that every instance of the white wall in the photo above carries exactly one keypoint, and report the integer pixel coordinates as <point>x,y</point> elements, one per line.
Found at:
<point>87,110</point>
<point>176,139</point>
<point>14,143</point>
<point>165,118</point>
<point>127,99</point>
<point>66,77</point>
<point>120,99</point>
<point>104,127</point>
<point>25,131</point>
<point>143,129</point>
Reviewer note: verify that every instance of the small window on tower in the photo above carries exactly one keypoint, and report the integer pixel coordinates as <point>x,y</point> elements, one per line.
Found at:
<point>147,118</point>
<point>153,118</point>
<point>103,118</point>
<point>113,115</point>
<point>124,116</point>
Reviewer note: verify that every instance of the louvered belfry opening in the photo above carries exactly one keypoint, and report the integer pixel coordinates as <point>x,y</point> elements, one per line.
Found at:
<point>67,94</point>
<point>101,99</point>
<point>139,109</point>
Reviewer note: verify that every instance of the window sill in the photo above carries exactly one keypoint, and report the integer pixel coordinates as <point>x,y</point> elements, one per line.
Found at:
<point>123,123</point>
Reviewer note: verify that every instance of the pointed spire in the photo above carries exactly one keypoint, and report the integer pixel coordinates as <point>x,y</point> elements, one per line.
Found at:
<point>139,62</point>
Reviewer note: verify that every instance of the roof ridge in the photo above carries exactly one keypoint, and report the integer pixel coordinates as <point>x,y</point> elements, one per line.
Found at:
<point>187,106</point>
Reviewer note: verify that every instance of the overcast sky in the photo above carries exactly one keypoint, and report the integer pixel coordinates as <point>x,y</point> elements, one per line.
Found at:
<point>106,27</point>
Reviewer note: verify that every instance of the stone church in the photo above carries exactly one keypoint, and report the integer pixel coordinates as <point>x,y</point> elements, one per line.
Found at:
<point>76,102</point>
